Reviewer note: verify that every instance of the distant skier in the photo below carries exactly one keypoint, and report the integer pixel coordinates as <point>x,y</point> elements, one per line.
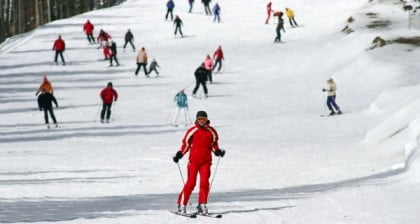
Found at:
<point>216,12</point>
<point>45,100</point>
<point>331,94</point>
<point>201,75</point>
<point>170,5</point>
<point>59,47</point>
<point>208,65</point>
<point>279,27</point>
<point>108,95</point>
<point>206,4</point>
<point>182,105</point>
<point>201,140</point>
<point>269,11</point>
<point>191,2</point>
<point>141,60</point>
<point>178,23</point>
<point>103,38</point>
<point>113,49</point>
<point>129,37</point>
<point>107,50</point>
<point>153,67</point>
<point>88,28</point>
<point>218,57</point>
<point>291,15</point>
<point>46,86</point>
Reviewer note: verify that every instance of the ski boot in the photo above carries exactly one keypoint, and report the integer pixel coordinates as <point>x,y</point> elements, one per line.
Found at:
<point>332,113</point>
<point>182,209</point>
<point>202,209</point>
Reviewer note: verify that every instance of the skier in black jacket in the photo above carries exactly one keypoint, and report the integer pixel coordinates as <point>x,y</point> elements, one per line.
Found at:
<point>178,23</point>
<point>45,104</point>
<point>206,4</point>
<point>200,78</point>
<point>129,37</point>
<point>113,49</point>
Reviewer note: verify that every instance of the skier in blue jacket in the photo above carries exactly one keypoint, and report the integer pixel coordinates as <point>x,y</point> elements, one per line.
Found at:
<point>182,104</point>
<point>170,5</point>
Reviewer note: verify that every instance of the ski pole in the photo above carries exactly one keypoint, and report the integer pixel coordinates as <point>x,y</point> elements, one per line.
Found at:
<point>180,172</point>
<point>115,109</point>
<point>214,175</point>
<point>324,104</point>
<point>97,112</point>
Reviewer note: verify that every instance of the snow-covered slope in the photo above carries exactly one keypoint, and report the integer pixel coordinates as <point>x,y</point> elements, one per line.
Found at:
<point>284,163</point>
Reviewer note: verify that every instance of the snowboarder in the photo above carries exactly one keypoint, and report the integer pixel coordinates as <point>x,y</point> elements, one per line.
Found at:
<point>216,12</point>
<point>191,2</point>
<point>279,27</point>
<point>201,75</point>
<point>153,67</point>
<point>45,85</point>
<point>170,5</point>
<point>113,49</point>
<point>178,23</point>
<point>141,61</point>
<point>129,37</point>
<point>291,15</point>
<point>269,11</point>
<point>108,95</point>
<point>59,47</point>
<point>88,28</point>
<point>331,93</point>
<point>218,57</point>
<point>182,104</point>
<point>45,100</point>
<point>208,65</point>
<point>206,4</point>
<point>201,140</point>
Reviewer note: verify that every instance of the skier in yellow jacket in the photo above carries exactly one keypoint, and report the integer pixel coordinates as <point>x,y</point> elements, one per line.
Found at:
<point>291,15</point>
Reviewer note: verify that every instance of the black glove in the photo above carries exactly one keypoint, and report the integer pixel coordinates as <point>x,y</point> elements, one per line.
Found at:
<point>323,90</point>
<point>219,152</point>
<point>177,157</point>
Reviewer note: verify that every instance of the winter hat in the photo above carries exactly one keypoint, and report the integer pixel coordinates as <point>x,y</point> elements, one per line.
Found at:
<point>201,113</point>
<point>45,79</point>
<point>109,84</point>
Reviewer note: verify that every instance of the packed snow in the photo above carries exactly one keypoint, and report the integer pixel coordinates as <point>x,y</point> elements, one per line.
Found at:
<point>285,161</point>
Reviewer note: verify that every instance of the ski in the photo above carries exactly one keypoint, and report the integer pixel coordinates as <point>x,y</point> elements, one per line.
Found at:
<point>189,215</point>
<point>211,215</point>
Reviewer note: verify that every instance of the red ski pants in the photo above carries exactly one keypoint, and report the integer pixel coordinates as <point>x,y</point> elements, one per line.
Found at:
<point>193,169</point>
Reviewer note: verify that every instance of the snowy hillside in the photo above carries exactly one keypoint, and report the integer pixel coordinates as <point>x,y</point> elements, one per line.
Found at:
<point>284,162</point>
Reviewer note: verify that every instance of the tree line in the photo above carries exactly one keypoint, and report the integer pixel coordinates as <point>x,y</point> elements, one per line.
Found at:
<point>19,16</point>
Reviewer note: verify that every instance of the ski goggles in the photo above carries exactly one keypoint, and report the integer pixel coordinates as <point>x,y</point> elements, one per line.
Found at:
<point>202,119</point>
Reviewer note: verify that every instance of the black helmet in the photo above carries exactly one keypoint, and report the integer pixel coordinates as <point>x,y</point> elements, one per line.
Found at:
<point>109,84</point>
<point>201,114</point>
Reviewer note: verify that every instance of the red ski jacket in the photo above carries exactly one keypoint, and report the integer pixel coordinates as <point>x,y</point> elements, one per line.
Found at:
<point>201,142</point>
<point>218,54</point>
<point>88,28</point>
<point>108,94</point>
<point>59,45</point>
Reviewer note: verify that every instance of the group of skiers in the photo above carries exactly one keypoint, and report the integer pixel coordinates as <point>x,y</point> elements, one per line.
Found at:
<point>201,140</point>
<point>280,24</point>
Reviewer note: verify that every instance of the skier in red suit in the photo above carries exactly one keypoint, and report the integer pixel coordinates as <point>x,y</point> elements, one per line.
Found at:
<point>108,95</point>
<point>59,47</point>
<point>201,140</point>
<point>88,28</point>
<point>269,11</point>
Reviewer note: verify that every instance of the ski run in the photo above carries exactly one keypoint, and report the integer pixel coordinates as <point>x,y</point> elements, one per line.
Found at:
<point>285,160</point>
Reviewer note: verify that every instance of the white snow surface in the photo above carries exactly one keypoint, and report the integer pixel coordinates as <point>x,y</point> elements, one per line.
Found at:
<point>284,162</point>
